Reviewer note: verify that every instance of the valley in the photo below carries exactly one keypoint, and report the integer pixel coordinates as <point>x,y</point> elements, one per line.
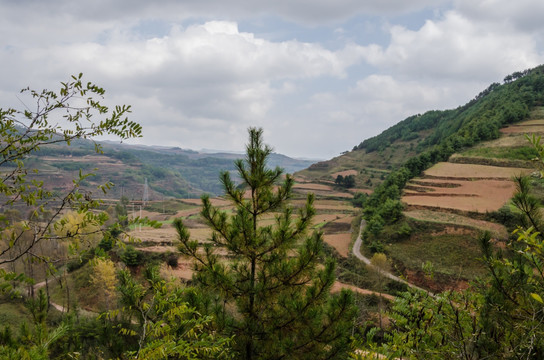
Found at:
<point>435,215</point>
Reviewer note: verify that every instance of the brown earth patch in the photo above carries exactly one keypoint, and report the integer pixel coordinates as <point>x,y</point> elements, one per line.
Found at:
<point>312,186</point>
<point>345,219</point>
<point>523,129</point>
<point>333,205</point>
<point>164,235</point>
<point>158,249</point>
<point>507,140</point>
<point>340,242</point>
<point>149,214</point>
<point>337,286</point>
<point>319,218</point>
<point>356,190</point>
<point>528,126</point>
<point>214,201</point>
<point>188,212</point>
<point>184,270</point>
<point>478,195</point>
<point>472,171</point>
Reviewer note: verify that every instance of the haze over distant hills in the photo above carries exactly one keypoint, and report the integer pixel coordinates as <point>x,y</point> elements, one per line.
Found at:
<point>170,171</point>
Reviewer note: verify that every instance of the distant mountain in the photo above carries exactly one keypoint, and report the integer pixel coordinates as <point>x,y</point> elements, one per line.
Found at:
<point>170,171</point>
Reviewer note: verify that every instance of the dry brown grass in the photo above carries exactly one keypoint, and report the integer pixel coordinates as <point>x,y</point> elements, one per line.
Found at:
<point>165,234</point>
<point>337,286</point>
<point>340,242</point>
<point>509,140</point>
<point>183,271</point>
<point>524,127</point>
<point>215,202</point>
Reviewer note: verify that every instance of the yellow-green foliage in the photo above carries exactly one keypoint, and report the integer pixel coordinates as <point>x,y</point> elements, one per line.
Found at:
<point>80,228</point>
<point>104,278</point>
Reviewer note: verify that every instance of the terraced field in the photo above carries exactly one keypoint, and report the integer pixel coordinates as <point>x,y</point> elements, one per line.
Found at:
<point>480,179</point>
<point>334,216</point>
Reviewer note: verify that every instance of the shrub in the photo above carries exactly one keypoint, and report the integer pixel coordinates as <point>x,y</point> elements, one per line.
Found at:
<point>131,257</point>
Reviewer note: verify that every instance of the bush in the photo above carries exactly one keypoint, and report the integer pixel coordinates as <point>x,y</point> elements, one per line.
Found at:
<point>78,262</point>
<point>131,257</point>
<point>106,243</point>
<point>172,261</point>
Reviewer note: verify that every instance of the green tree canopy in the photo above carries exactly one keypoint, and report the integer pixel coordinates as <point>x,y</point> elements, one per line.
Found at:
<point>272,291</point>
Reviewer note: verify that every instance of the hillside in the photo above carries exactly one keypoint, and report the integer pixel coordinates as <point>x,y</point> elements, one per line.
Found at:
<point>439,179</point>
<point>170,172</point>
<point>435,135</point>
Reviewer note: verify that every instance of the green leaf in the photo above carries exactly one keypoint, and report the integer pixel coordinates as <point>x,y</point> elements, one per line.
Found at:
<point>537,298</point>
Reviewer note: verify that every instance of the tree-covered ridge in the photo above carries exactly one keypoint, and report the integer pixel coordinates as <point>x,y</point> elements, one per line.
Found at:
<point>479,119</point>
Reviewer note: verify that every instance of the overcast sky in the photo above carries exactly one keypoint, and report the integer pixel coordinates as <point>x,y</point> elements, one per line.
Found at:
<point>319,76</point>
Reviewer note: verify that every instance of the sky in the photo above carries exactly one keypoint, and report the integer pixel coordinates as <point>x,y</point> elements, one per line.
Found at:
<point>318,76</point>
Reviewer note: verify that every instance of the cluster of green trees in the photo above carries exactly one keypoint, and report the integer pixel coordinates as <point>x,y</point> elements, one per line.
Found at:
<point>347,181</point>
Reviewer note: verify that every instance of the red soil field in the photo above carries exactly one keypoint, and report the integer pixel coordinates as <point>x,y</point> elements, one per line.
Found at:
<point>489,189</point>
<point>481,196</point>
<point>312,186</point>
<point>340,242</point>
<point>472,171</point>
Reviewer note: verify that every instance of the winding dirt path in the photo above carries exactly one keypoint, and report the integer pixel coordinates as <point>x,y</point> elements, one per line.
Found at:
<point>62,308</point>
<point>357,252</point>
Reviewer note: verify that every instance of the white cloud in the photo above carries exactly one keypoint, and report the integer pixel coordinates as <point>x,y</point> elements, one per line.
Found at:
<point>205,78</point>
<point>106,12</point>
<point>196,80</point>
<point>524,15</point>
<point>456,48</point>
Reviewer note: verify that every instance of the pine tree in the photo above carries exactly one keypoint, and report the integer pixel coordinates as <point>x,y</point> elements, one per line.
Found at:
<point>273,284</point>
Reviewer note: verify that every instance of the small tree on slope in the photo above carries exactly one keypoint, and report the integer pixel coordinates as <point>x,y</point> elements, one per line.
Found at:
<point>274,292</point>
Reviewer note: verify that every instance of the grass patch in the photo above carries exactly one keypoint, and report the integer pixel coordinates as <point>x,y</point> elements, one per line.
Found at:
<point>170,207</point>
<point>455,255</point>
<point>80,291</point>
<point>13,313</point>
<point>510,153</point>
